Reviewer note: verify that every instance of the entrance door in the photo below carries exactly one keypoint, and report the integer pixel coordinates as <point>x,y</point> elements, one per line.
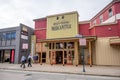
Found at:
<point>7,54</point>
<point>59,57</point>
<point>43,57</point>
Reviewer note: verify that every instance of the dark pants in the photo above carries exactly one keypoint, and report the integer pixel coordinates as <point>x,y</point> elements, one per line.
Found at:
<point>29,64</point>
<point>22,64</point>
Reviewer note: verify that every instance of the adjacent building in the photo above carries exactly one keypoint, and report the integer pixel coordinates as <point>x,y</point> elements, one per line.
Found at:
<point>15,42</point>
<point>62,39</point>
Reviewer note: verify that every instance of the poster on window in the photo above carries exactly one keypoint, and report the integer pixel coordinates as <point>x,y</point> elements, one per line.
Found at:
<point>25,46</point>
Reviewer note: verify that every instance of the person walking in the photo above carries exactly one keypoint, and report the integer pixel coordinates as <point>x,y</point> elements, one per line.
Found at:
<point>23,59</point>
<point>29,61</point>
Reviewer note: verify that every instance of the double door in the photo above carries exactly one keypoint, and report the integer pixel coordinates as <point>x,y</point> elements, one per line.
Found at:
<point>61,57</point>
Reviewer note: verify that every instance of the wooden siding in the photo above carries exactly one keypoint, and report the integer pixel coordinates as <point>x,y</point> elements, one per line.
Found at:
<point>107,54</point>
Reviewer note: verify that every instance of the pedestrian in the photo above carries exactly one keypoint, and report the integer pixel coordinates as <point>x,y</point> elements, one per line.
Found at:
<point>23,59</point>
<point>29,61</point>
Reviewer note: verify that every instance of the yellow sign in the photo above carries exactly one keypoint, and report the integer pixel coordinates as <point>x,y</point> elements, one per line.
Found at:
<point>62,25</point>
<point>24,28</point>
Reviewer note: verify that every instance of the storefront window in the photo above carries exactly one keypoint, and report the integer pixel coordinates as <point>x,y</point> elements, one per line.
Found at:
<point>49,45</point>
<point>57,45</point>
<point>70,45</point>
<point>53,45</point>
<point>65,45</point>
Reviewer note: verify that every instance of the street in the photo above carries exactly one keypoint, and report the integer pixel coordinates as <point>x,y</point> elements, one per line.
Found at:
<point>28,75</point>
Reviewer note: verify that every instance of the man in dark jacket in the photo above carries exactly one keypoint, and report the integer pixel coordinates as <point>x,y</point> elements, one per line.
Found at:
<point>29,60</point>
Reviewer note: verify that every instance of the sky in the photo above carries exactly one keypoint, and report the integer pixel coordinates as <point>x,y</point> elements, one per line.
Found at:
<point>14,12</point>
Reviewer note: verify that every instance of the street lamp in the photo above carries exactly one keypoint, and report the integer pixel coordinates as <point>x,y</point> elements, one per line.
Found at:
<point>82,42</point>
<point>83,59</point>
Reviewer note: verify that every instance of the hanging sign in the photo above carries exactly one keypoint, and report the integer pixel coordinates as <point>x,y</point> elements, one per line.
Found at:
<point>82,42</point>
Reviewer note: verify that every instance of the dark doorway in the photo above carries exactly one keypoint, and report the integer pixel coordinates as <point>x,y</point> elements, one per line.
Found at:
<point>59,57</point>
<point>43,57</point>
<point>7,54</point>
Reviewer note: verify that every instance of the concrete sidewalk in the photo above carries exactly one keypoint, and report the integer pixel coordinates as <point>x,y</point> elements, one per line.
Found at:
<point>69,69</point>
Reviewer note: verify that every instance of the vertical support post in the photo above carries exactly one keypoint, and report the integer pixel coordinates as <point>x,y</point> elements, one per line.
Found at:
<point>76,52</point>
<point>51,57</point>
<point>51,54</point>
<point>63,54</point>
<point>41,53</point>
<point>90,53</point>
<point>39,57</point>
<point>47,54</point>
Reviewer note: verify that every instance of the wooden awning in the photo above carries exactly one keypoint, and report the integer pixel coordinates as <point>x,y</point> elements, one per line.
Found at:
<point>115,41</point>
<point>92,38</point>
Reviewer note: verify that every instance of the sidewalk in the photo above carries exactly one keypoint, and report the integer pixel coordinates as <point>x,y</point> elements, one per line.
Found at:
<point>69,69</point>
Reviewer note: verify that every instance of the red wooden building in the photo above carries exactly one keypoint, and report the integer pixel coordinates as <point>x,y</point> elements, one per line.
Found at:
<point>105,25</point>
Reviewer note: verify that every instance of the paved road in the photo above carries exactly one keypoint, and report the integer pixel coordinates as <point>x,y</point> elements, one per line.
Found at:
<point>28,75</point>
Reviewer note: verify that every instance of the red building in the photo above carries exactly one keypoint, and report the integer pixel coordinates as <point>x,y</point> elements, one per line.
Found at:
<point>107,22</point>
<point>40,28</point>
<point>105,25</point>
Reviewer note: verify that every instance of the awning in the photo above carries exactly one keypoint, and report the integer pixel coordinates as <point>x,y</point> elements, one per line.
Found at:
<point>115,41</point>
<point>92,38</point>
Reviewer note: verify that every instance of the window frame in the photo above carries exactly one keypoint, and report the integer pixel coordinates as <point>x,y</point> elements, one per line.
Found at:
<point>101,18</point>
<point>110,12</point>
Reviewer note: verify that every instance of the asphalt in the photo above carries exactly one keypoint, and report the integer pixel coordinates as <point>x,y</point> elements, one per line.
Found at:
<point>111,71</point>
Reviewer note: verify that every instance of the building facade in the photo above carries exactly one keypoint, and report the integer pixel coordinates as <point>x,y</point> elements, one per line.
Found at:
<point>57,38</point>
<point>15,42</point>
<point>59,43</point>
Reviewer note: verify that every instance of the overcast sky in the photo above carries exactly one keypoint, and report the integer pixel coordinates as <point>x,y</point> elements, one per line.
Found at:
<point>14,12</point>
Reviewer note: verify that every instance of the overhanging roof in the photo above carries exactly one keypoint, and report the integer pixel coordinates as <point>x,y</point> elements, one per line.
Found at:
<point>91,38</point>
<point>115,41</point>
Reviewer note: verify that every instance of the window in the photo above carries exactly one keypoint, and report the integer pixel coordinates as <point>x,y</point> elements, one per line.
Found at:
<point>8,36</point>
<point>13,35</point>
<point>57,18</point>
<point>0,37</point>
<point>62,17</point>
<point>3,36</point>
<point>94,22</point>
<point>101,19</point>
<point>110,13</point>
<point>70,45</point>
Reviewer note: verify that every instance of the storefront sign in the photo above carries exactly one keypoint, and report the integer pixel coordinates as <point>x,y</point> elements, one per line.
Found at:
<point>61,26</point>
<point>24,37</point>
<point>24,28</point>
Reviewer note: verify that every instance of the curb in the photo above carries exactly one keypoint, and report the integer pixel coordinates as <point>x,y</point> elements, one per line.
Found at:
<point>64,72</point>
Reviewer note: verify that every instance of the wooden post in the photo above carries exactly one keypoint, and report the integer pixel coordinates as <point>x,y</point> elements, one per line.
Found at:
<point>76,53</point>
<point>51,54</point>
<point>63,57</point>
<point>51,57</point>
<point>90,53</point>
<point>41,53</point>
